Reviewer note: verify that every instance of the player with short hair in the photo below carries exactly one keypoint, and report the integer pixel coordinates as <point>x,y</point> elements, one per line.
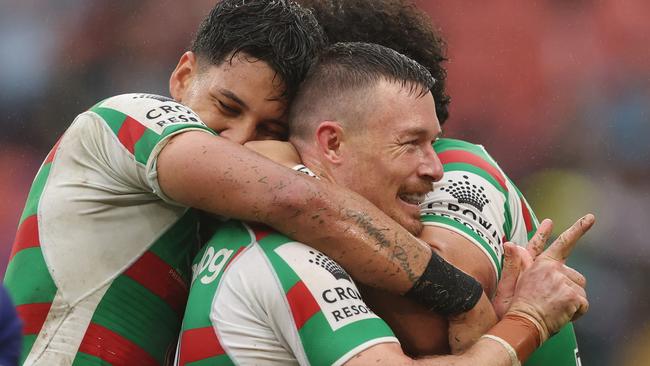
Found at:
<point>475,208</point>
<point>100,266</point>
<point>363,118</point>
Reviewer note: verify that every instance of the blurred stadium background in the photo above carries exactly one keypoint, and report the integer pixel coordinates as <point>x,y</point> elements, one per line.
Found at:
<point>557,90</point>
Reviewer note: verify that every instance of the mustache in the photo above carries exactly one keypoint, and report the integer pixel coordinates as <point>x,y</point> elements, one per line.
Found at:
<point>418,188</point>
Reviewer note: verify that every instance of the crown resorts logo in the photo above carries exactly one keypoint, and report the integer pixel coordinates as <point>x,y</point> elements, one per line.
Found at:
<point>465,192</point>
<point>329,265</point>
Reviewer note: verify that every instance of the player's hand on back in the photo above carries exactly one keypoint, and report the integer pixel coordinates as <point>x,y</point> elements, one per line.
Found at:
<point>548,291</point>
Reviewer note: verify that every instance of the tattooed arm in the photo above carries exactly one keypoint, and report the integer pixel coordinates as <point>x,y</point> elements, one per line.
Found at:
<point>218,176</point>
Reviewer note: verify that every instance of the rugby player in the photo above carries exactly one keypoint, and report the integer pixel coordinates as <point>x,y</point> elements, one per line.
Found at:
<point>474,208</point>
<point>363,118</point>
<point>100,266</point>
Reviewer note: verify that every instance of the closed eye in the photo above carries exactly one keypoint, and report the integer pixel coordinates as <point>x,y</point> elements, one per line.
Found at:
<point>228,109</point>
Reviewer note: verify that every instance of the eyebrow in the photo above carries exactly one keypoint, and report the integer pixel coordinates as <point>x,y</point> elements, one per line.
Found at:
<point>230,95</point>
<point>417,131</point>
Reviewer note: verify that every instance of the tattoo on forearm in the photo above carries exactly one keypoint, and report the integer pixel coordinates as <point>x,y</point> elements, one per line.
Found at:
<point>398,254</point>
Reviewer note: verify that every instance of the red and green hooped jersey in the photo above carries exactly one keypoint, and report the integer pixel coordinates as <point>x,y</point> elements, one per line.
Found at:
<point>100,266</point>
<point>258,297</point>
<point>478,201</point>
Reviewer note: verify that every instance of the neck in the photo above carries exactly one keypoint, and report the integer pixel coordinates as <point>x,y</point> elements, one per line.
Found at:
<point>317,167</point>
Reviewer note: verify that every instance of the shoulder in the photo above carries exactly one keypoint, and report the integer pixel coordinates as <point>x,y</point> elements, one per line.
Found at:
<point>154,111</point>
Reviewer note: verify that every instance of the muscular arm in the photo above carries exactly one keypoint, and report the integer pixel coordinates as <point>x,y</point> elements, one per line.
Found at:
<point>422,332</point>
<point>215,175</point>
<point>462,253</point>
<point>485,352</point>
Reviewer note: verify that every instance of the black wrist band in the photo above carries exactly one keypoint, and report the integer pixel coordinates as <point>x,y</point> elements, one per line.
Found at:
<point>445,289</point>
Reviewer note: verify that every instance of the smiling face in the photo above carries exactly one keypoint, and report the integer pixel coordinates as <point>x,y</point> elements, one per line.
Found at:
<point>390,159</point>
<point>240,99</point>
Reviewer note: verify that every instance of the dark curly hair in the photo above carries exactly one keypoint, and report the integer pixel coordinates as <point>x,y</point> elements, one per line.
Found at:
<point>397,24</point>
<point>278,32</point>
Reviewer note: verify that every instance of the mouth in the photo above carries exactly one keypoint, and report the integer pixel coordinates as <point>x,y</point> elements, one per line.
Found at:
<point>414,199</point>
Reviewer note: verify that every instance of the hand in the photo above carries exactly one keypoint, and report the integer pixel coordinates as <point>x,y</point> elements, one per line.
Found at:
<point>548,291</point>
<point>517,259</point>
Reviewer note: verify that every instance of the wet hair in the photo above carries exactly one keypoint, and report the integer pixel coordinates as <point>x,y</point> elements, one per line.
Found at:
<point>342,77</point>
<point>279,32</point>
<point>396,24</point>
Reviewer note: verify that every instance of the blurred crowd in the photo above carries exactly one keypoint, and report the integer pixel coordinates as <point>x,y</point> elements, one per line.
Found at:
<point>557,91</point>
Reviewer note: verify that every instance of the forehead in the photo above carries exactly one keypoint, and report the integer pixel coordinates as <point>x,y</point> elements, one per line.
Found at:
<point>245,74</point>
<point>400,112</point>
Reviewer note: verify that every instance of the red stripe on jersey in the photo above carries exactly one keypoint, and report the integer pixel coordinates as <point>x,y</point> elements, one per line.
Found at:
<point>161,279</point>
<point>33,316</point>
<point>26,236</point>
<point>460,156</point>
<point>130,133</point>
<point>112,348</point>
<point>302,303</point>
<point>261,231</point>
<point>238,252</point>
<point>527,217</point>
<point>50,156</point>
<point>199,344</point>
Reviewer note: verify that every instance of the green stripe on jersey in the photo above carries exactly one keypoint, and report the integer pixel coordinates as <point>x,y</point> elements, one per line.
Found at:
<point>178,245</point>
<point>28,342</point>
<point>457,225</point>
<point>507,218</point>
<point>322,344</point>
<point>319,350</point>
<point>288,278</point>
<point>27,278</point>
<point>150,139</point>
<point>444,144</point>
<point>132,311</point>
<point>559,350</point>
<point>83,359</point>
<point>35,192</point>
<point>114,119</point>
<point>230,236</point>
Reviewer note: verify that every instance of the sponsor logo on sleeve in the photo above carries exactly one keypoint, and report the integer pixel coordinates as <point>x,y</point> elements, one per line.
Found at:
<point>331,286</point>
<point>466,192</point>
<point>211,265</point>
<point>465,200</point>
<point>153,111</point>
<point>171,113</point>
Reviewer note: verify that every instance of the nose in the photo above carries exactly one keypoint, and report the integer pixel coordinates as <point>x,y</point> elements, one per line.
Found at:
<point>431,166</point>
<point>240,131</point>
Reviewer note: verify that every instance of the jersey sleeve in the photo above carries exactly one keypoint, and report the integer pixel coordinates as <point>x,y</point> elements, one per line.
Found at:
<point>472,199</point>
<point>295,304</point>
<point>329,321</point>
<point>129,132</point>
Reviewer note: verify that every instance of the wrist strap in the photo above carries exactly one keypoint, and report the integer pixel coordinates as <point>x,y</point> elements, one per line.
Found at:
<point>445,289</point>
<point>519,332</point>
<point>511,351</point>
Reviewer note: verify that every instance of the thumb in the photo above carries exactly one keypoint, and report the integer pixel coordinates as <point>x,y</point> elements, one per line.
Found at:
<point>511,266</point>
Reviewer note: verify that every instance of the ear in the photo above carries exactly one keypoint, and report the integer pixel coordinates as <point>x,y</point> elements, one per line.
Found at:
<point>182,76</point>
<point>329,138</point>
